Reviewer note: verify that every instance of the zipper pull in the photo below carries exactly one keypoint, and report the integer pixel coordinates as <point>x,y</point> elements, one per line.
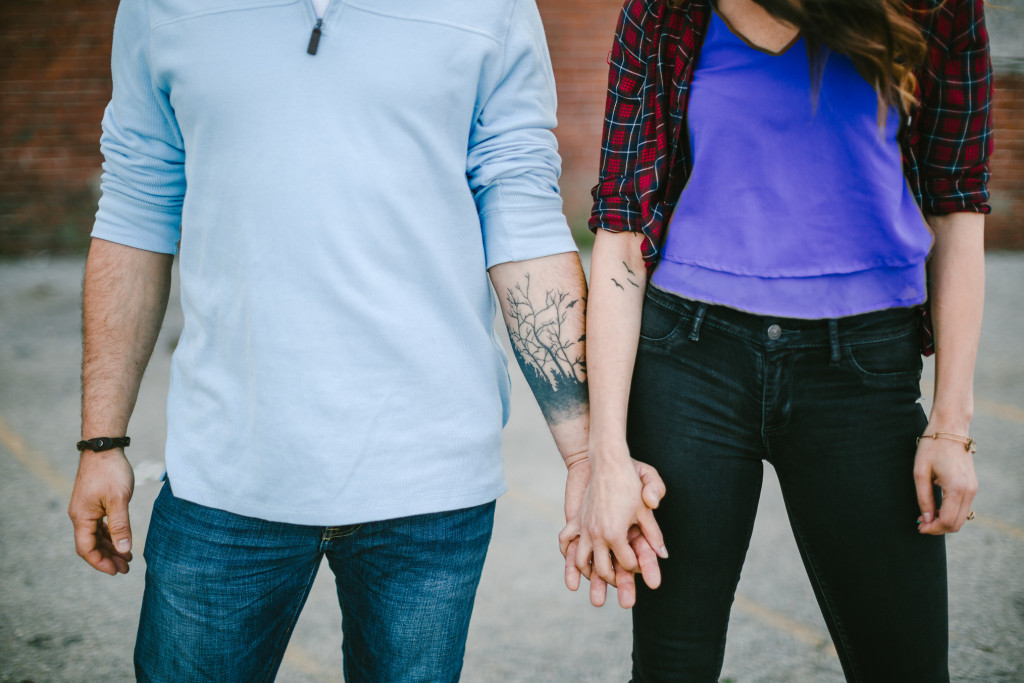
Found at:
<point>314,38</point>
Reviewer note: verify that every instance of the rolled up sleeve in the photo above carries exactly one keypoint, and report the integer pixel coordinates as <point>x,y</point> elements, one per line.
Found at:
<point>513,163</point>
<point>616,203</point>
<point>955,117</point>
<point>143,181</point>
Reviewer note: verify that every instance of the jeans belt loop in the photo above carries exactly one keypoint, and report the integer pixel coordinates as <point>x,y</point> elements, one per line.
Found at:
<point>702,310</point>
<point>833,338</point>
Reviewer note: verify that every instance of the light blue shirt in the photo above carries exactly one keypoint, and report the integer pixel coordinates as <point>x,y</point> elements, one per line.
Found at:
<point>337,214</point>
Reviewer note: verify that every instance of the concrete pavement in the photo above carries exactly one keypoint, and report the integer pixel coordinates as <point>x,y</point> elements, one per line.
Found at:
<point>62,621</point>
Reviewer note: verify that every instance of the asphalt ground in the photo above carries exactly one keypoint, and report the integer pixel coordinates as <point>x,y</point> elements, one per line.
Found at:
<point>62,621</point>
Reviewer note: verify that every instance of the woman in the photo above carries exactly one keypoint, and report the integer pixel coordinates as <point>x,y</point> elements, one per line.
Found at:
<point>783,171</point>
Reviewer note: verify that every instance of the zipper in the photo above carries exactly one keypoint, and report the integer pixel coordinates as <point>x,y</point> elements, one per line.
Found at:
<point>314,37</point>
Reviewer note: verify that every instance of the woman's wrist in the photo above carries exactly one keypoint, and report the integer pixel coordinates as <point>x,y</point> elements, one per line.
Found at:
<point>950,426</point>
<point>957,421</point>
<point>969,444</point>
<point>607,432</point>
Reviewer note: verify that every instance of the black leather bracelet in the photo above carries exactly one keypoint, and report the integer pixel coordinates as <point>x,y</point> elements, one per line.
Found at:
<point>104,443</point>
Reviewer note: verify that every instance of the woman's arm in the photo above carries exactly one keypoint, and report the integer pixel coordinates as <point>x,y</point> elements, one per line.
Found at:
<point>957,291</point>
<point>615,504</point>
<point>614,329</point>
<point>956,95</point>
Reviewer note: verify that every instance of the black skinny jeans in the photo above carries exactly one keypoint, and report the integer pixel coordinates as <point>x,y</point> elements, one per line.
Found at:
<point>832,405</point>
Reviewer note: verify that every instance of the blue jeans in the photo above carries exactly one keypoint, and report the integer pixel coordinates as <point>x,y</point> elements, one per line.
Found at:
<point>223,592</point>
<point>832,405</point>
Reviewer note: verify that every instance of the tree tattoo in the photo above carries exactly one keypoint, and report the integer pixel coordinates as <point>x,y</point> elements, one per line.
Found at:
<point>551,359</point>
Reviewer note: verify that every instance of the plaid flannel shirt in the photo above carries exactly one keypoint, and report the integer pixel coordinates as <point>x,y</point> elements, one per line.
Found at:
<point>645,157</point>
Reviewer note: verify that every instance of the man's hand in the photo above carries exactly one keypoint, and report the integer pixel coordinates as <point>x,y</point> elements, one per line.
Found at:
<point>576,481</point>
<point>99,510</point>
<point>642,557</point>
<point>124,296</point>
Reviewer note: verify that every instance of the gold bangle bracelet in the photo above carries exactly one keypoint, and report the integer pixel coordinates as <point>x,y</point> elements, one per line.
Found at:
<point>970,445</point>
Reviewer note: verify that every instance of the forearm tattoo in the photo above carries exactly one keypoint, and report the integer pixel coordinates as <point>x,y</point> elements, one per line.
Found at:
<point>631,278</point>
<point>551,357</point>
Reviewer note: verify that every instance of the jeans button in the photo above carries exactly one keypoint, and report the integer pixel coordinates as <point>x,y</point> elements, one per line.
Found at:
<point>774,332</point>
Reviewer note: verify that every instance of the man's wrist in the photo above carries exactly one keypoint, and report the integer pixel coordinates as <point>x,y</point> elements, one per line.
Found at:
<point>575,458</point>
<point>103,443</point>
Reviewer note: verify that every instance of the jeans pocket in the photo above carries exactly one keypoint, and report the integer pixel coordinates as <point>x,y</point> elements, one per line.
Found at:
<point>659,322</point>
<point>898,357</point>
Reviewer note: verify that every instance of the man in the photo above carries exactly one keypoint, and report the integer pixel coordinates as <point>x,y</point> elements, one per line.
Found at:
<point>341,178</point>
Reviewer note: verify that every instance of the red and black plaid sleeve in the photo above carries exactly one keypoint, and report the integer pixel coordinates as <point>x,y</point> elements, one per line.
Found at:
<point>951,139</point>
<point>616,204</point>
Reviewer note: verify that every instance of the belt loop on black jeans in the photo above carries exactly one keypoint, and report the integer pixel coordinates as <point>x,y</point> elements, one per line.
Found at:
<point>833,340</point>
<point>698,318</point>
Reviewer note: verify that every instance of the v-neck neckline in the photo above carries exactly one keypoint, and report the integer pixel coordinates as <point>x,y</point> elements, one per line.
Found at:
<point>732,29</point>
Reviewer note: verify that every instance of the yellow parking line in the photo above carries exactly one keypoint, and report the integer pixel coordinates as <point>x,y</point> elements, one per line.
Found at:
<point>1001,410</point>
<point>819,640</point>
<point>33,461</point>
<point>801,632</point>
<point>296,656</point>
<point>1000,526</point>
<point>1005,411</point>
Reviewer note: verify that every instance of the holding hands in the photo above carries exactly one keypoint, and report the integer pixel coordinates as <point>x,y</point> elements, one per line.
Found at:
<point>610,532</point>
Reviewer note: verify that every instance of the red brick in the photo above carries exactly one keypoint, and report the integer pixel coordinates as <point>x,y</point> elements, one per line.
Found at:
<point>54,76</point>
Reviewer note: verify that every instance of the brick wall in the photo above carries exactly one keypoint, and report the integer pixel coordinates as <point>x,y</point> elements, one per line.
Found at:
<point>580,34</point>
<point>54,83</point>
<point>1004,227</point>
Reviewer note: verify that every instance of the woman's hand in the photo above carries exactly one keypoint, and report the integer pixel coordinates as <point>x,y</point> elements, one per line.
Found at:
<point>614,534</point>
<point>948,464</point>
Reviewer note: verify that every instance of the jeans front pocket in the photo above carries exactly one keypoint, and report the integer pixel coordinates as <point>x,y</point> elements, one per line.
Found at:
<point>898,357</point>
<point>660,321</point>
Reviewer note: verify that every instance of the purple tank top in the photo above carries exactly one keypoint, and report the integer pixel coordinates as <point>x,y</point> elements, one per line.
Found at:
<point>791,209</point>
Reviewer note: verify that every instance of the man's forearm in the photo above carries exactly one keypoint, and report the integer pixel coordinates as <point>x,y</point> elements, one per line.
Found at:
<point>124,297</point>
<point>544,304</point>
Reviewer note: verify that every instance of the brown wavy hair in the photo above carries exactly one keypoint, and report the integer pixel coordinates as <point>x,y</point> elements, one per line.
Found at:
<point>879,36</point>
